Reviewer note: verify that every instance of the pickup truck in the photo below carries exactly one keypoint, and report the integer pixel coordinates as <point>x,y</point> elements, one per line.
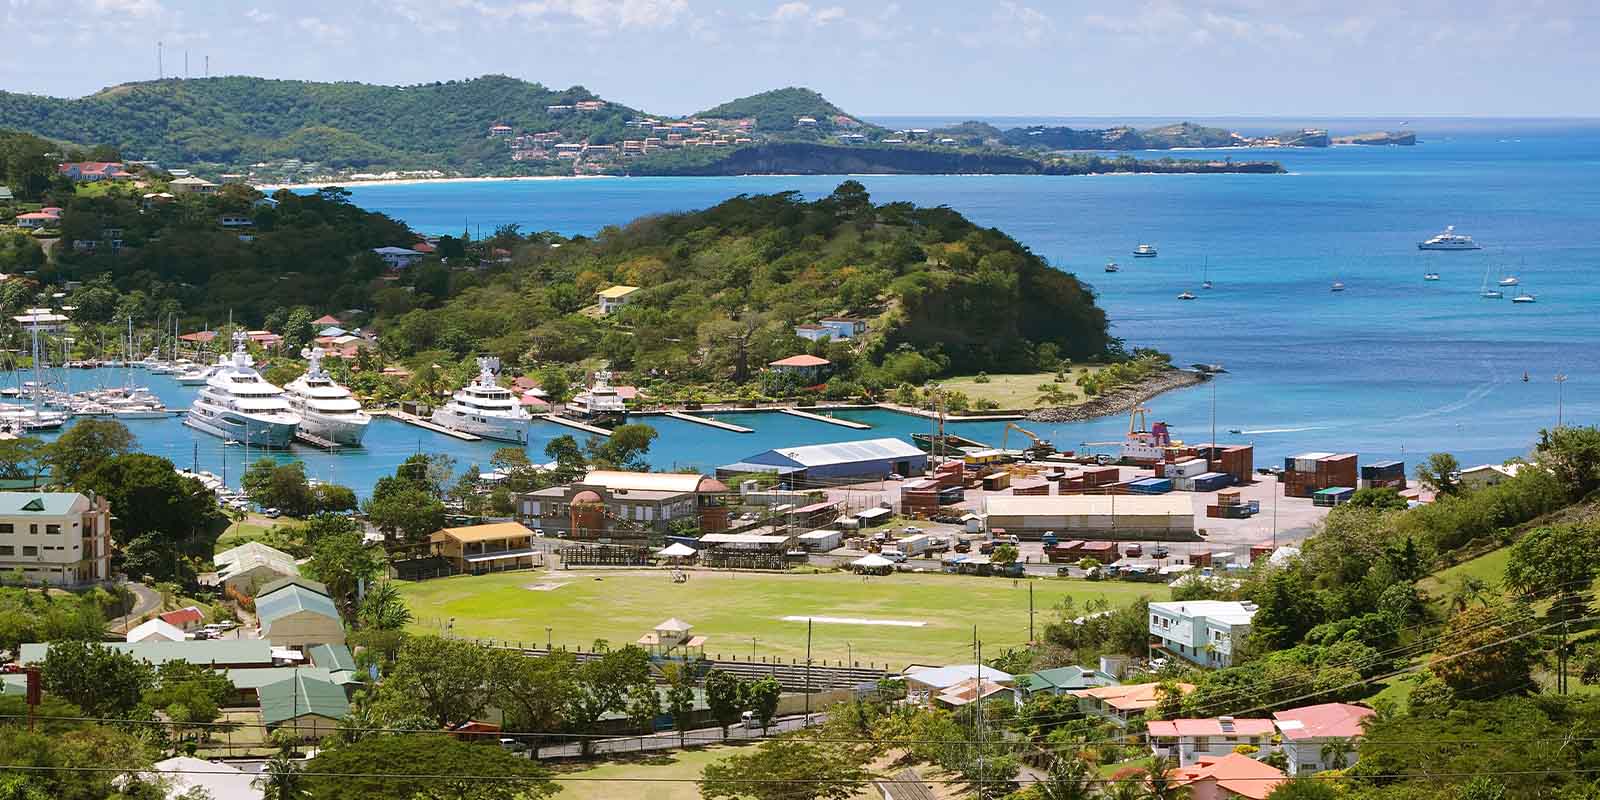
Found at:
<point>1134,550</point>
<point>986,548</point>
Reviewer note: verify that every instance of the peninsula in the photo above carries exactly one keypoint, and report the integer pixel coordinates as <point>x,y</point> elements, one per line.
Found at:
<point>293,132</point>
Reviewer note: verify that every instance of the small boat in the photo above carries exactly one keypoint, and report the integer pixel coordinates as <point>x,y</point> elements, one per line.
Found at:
<point>1430,276</point>
<point>1205,274</point>
<point>1524,376</point>
<point>1144,251</point>
<point>1187,295</point>
<point>1111,266</point>
<point>1205,284</point>
<point>1338,286</point>
<point>1525,297</point>
<point>1487,293</point>
<point>1509,280</point>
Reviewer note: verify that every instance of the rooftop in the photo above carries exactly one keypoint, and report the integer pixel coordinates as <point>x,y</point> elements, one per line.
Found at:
<point>1230,612</point>
<point>800,361</point>
<point>617,292</point>
<point>202,651</point>
<point>299,696</point>
<point>1325,720</point>
<point>292,599</point>
<point>816,455</point>
<point>485,533</point>
<point>655,481</point>
<point>1219,726</point>
<point>1178,505</point>
<point>1130,697</point>
<point>53,503</point>
<point>946,677</point>
<point>1235,772</point>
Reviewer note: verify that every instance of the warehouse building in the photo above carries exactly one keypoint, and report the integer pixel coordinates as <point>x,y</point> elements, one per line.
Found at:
<point>838,462</point>
<point>1162,516</point>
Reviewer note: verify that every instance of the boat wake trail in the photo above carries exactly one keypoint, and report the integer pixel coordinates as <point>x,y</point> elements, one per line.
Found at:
<point>1477,393</point>
<point>1282,430</point>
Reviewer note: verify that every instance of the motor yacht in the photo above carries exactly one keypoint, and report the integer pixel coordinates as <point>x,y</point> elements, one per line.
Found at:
<point>484,408</point>
<point>237,403</point>
<point>327,410</point>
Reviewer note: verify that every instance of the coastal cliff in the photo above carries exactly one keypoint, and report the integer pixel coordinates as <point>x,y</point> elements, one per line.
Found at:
<point>804,158</point>
<point>1400,138</point>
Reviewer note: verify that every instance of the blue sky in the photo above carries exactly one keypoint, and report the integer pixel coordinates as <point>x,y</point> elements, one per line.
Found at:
<point>1023,57</point>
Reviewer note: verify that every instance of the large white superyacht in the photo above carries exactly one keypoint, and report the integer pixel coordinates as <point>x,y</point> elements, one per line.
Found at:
<point>327,410</point>
<point>239,405</point>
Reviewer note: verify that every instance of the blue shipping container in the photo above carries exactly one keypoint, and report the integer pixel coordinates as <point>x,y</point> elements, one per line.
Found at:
<point>1212,481</point>
<point>1150,486</point>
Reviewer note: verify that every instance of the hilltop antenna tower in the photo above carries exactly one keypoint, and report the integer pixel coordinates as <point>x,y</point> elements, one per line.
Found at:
<point>160,70</point>
<point>186,65</point>
<point>208,66</point>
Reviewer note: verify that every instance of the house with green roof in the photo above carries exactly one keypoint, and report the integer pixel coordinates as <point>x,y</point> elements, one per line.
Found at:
<point>332,657</point>
<point>56,538</point>
<point>1061,680</point>
<point>217,653</point>
<point>307,706</point>
<point>295,612</point>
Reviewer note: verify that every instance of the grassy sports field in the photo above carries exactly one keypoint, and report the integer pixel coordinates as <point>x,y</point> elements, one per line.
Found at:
<point>681,768</point>
<point>731,608</point>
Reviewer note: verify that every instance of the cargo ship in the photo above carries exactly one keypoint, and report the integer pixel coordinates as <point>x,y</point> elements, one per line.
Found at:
<point>946,442</point>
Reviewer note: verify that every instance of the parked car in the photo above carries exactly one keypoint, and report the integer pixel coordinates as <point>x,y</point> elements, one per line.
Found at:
<point>894,555</point>
<point>911,530</point>
<point>271,513</point>
<point>1134,550</point>
<point>987,547</point>
<point>963,547</point>
<point>895,476</point>
<point>1159,552</point>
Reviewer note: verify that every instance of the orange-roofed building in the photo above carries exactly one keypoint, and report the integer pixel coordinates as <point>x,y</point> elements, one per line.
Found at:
<point>1123,703</point>
<point>1233,775</point>
<point>806,366</point>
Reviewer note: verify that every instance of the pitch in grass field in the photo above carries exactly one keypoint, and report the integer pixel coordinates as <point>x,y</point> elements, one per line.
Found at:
<point>731,608</point>
<point>671,777</point>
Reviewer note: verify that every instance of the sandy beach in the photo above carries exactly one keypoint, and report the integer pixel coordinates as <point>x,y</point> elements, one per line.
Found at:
<point>273,187</point>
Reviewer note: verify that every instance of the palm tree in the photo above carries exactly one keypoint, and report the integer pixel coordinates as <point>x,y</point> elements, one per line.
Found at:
<point>1469,589</point>
<point>280,778</point>
<point>383,609</point>
<point>1159,783</point>
<point>1128,789</point>
<point>1069,779</point>
<point>1336,753</point>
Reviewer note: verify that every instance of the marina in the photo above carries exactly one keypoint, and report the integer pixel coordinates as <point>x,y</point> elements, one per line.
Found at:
<point>428,425</point>
<point>795,412</point>
<point>715,423</point>
<point>581,426</point>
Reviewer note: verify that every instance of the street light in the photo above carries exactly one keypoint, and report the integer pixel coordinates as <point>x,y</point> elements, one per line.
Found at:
<point>1561,385</point>
<point>850,654</point>
<point>547,648</point>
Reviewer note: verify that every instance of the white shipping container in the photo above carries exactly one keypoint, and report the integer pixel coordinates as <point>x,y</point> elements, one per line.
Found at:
<point>1186,469</point>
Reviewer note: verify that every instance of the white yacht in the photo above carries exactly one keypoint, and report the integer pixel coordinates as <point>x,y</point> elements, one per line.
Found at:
<point>1338,286</point>
<point>1111,266</point>
<point>1509,280</point>
<point>484,408</point>
<point>1187,295</point>
<point>326,409</point>
<point>237,404</point>
<point>1144,251</point>
<point>196,375</point>
<point>1525,296</point>
<point>1430,276</point>
<point>600,403</point>
<point>1448,239</point>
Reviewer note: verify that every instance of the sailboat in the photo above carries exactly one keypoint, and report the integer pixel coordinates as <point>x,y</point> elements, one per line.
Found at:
<point>1430,276</point>
<point>1187,295</point>
<point>1111,266</point>
<point>1487,293</point>
<point>1338,286</point>
<point>1205,274</point>
<point>1509,280</point>
<point>1525,296</point>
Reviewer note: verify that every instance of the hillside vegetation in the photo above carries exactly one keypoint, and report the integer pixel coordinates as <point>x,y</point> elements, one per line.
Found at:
<point>241,120</point>
<point>779,109</point>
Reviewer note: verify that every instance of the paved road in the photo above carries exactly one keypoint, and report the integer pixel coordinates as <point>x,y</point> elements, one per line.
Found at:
<point>145,600</point>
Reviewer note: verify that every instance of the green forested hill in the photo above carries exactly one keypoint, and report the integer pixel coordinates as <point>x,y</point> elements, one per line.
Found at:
<point>240,120</point>
<point>779,109</point>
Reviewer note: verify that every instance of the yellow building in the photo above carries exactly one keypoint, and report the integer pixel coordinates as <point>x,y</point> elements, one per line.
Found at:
<point>476,549</point>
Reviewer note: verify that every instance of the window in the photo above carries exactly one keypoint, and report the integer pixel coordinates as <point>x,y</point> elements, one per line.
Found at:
<point>33,528</point>
<point>6,527</point>
<point>7,550</point>
<point>30,551</point>
<point>52,529</point>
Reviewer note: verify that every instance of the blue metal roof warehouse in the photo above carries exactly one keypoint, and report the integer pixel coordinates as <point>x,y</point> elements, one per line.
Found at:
<point>871,459</point>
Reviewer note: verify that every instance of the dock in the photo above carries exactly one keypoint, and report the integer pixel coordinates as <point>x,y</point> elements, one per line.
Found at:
<point>715,423</point>
<point>795,412</point>
<point>582,426</point>
<point>307,437</point>
<point>413,419</point>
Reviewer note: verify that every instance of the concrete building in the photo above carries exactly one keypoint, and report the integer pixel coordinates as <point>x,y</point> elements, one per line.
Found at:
<point>252,565</point>
<point>397,257</point>
<point>309,708</point>
<point>1204,632</point>
<point>926,685</point>
<point>1486,475</point>
<point>477,549</point>
<point>57,538</point>
<point>1062,680</point>
<point>295,612</point>
<point>1308,729</point>
<point>837,462</point>
<point>613,298</point>
<point>1093,516</point>
<point>43,320</point>
<point>1189,740</point>
<point>191,185</point>
<point>155,629</point>
<point>214,653</point>
<point>806,367</point>
<point>626,505</point>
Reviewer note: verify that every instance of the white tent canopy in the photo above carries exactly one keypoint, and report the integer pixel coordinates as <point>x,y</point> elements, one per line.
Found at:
<point>872,560</point>
<point>676,550</point>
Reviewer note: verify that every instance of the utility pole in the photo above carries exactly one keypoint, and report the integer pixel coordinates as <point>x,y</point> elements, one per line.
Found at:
<point>1561,385</point>
<point>808,672</point>
<point>1030,613</point>
<point>977,705</point>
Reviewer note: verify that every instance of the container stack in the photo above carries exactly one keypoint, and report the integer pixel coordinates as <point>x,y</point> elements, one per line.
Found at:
<point>1210,482</point>
<point>1236,460</point>
<point>1384,475</point>
<point>1308,473</point>
<point>996,481</point>
<point>1182,473</point>
<point>1031,489</point>
<point>1231,506</point>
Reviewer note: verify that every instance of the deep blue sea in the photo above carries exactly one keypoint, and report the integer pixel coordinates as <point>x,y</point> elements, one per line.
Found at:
<point>1391,367</point>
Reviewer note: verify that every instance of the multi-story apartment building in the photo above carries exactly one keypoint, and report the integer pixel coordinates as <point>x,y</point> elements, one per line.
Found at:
<point>58,538</point>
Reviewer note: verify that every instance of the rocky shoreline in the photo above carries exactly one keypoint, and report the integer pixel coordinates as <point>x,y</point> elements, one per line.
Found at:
<point>1119,399</point>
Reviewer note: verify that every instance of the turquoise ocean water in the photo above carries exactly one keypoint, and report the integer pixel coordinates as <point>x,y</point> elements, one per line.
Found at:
<point>1391,367</point>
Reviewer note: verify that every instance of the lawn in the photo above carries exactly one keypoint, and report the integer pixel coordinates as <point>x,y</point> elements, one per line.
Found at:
<point>682,767</point>
<point>732,608</point>
<point>1013,392</point>
<point>1489,568</point>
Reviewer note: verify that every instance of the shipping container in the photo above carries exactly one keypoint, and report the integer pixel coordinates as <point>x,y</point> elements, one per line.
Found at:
<point>1150,486</point>
<point>1332,496</point>
<point>1186,469</point>
<point>1031,490</point>
<point>1228,498</point>
<point>1212,481</point>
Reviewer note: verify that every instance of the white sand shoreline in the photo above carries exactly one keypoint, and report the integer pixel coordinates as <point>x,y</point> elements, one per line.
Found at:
<point>273,187</point>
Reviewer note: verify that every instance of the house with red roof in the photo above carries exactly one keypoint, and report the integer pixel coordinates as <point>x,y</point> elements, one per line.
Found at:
<point>1123,703</point>
<point>184,619</point>
<point>91,171</point>
<point>1233,775</point>
<point>806,366</point>
<point>1189,740</point>
<point>326,320</point>
<point>37,219</point>
<point>1307,730</point>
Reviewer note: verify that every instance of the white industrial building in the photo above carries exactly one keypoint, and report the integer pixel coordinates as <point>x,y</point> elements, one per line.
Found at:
<point>1159,516</point>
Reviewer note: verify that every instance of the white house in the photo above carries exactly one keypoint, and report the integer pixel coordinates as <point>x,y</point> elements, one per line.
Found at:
<point>1205,632</point>
<point>812,333</point>
<point>156,629</point>
<point>926,685</point>
<point>398,257</point>
<point>41,319</point>
<point>844,327</point>
<point>614,298</point>
<point>58,538</point>
<point>1306,732</point>
<point>1190,740</point>
<point>1485,475</point>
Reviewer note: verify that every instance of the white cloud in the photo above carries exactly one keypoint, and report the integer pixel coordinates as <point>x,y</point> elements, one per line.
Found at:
<point>1356,29</point>
<point>131,8</point>
<point>260,17</point>
<point>801,13</point>
<point>597,14</point>
<point>1166,21</point>
<point>320,29</point>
